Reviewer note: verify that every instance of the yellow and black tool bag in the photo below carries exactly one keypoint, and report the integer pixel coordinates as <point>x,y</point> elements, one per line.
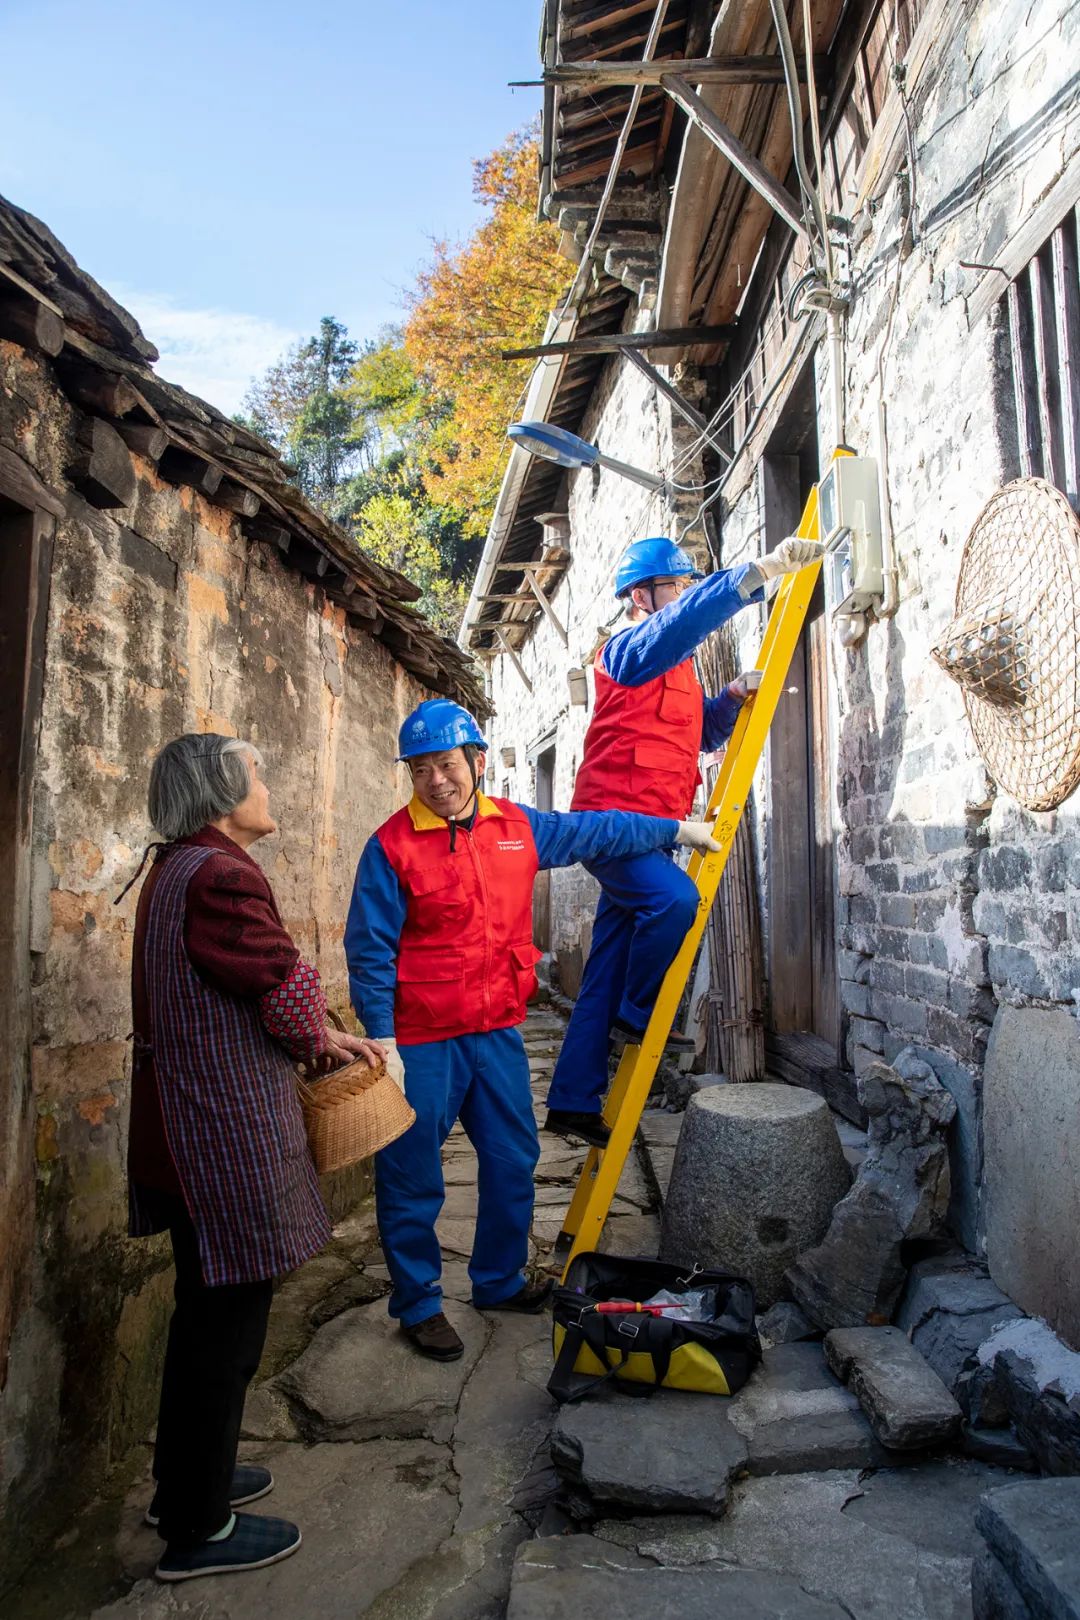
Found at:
<point>714,1357</point>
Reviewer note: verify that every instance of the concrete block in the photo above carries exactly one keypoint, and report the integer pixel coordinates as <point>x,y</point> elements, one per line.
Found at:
<point>906,1402</point>
<point>1031,1124</point>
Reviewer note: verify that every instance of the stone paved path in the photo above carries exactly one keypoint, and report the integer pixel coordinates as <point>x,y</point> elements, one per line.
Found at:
<point>428,1492</point>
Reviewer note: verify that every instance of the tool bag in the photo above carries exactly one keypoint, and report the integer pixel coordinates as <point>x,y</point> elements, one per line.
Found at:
<point>714,1357</point>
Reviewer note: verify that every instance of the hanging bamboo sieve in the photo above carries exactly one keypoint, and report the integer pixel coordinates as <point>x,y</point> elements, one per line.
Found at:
<point>1013,645</point>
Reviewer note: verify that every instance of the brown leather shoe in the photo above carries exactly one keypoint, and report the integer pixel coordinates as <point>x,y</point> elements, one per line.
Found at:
<point>435,1338</point>
<point>530,1299</point>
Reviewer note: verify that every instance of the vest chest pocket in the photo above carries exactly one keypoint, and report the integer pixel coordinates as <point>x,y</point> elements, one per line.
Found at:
<point>680,702</point>
<point>436,891</point>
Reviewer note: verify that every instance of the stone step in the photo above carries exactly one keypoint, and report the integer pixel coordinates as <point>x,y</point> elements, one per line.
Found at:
<point>565,1576</point>
<point>908,1406</point>
<point>795,1415</point>
<point>676,1453</point>
<point>1030,1561</point>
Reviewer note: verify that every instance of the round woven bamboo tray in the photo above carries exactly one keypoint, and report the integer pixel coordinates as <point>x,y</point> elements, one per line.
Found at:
<point>351,1114</point>
<point>1014,643</point>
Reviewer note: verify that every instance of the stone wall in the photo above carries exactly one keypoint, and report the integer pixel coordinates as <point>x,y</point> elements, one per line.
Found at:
<point>952,901</point>
<point>162,618</point>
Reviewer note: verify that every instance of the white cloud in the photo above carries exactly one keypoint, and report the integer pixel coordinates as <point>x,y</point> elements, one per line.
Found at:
<point>211,352</point>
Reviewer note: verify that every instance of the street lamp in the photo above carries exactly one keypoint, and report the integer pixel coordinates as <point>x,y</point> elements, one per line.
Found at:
<point>567,450</point>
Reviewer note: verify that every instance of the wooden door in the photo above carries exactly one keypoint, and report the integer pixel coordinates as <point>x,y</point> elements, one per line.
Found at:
<point>800,865</point>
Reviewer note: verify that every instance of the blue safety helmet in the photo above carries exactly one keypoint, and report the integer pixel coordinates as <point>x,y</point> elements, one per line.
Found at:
<point>435,725</point>
<point>652,559</point>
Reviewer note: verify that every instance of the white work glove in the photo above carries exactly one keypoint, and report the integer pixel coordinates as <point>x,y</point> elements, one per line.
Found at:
<point>747,681</point>
<point>790,555</point>
<point>696,835</point>
<point>395,1068</point>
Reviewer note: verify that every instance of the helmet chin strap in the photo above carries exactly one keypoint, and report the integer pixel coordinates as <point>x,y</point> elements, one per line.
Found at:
<point>453,820</point>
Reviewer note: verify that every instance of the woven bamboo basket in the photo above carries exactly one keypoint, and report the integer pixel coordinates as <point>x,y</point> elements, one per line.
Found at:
<point>351,1114</point>
<point>1013,645</point>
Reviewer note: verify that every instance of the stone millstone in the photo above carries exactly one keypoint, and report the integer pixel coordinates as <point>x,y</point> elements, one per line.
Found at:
<point>1031,1530</point>
<point>856,1273</point>
<point>905,1400</point>
<point>674,1454</point>
<point>757,1171</point>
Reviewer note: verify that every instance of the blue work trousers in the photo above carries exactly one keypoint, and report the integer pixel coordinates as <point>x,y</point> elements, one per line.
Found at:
<point>483,1080</point>
<point>645,911</point>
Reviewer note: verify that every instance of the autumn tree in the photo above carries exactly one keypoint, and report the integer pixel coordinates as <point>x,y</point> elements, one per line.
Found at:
<point>493,292</point>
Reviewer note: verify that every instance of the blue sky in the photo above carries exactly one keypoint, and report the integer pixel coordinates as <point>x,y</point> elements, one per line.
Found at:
<point>234,171</point>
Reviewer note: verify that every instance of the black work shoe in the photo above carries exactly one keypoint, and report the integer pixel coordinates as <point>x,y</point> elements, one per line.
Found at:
<point>590,1127</point>
<point>624,1034</point>
<point>530,1299</point>
<point>435,1338</point>
<point>253,1543</point>
<point>248,1484</point>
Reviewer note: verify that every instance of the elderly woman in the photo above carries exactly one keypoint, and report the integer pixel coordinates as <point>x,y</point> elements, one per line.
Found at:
<point>224,1006</point>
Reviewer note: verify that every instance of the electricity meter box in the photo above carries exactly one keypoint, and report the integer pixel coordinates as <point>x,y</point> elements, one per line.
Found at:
<point>849,517</point>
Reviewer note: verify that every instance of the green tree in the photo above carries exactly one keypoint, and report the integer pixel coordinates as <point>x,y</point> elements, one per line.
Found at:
<point>301,405</point>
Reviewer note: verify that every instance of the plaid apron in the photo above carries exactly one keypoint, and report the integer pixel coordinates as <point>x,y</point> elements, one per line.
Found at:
<point>229,1107</point>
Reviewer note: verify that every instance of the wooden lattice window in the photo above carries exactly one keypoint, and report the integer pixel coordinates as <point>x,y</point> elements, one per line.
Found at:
<point>1041,327</point>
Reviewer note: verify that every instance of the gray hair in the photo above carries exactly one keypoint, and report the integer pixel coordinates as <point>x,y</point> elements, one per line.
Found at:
<point>197,778</point>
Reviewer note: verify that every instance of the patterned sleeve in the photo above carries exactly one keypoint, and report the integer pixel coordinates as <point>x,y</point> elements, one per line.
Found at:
<point>294,1013</point>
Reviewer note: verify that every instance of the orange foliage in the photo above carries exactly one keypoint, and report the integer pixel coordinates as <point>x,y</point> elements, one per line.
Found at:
<point>491,293</point>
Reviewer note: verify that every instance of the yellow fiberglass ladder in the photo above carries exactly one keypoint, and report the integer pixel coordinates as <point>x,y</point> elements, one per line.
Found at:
<point>633,1080</point>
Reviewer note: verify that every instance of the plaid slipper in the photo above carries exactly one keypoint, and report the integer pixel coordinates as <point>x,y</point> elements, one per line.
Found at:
<point>254,1543</point>
<point>248,1484</point>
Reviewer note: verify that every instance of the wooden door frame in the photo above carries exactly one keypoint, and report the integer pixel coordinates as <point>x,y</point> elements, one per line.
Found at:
<point>28,513</point>
<point>800,862</point>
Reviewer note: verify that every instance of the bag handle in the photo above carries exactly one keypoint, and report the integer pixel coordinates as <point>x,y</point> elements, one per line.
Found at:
<point>563,1379</point>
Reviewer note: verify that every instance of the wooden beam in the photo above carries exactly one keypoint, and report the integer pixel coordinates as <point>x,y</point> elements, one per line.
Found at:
<point>237,498</point>
<point>144,439</point>
<point>689,412</point>
<point>513,657</point>
<point>101,468</point>
<point>20,484</point>
<point>549,612</point>
<point>32,326</point>
<point>181,467</point>
<point>673,337</point>
<point>696,70</point>
<point>105,393</point>
<point>739,156</point>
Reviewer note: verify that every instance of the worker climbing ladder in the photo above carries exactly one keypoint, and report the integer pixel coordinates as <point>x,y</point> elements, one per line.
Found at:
<point>633,1080</point>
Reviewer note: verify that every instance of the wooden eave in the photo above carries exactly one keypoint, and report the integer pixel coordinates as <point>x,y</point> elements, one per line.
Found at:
<point>718,220</point>
<point>102,362</point>
<point>583,125</point>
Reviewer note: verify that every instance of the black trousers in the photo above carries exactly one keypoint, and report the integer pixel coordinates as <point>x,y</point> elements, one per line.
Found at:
<point>216,1338</point>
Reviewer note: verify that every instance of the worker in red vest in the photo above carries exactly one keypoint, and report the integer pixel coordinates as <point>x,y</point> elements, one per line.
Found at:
<point>650,722</point>
<point>441,963</point>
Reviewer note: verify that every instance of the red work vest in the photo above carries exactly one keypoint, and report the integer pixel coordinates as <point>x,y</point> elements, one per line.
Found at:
<point>642,745</point>
<point>466,954</point>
